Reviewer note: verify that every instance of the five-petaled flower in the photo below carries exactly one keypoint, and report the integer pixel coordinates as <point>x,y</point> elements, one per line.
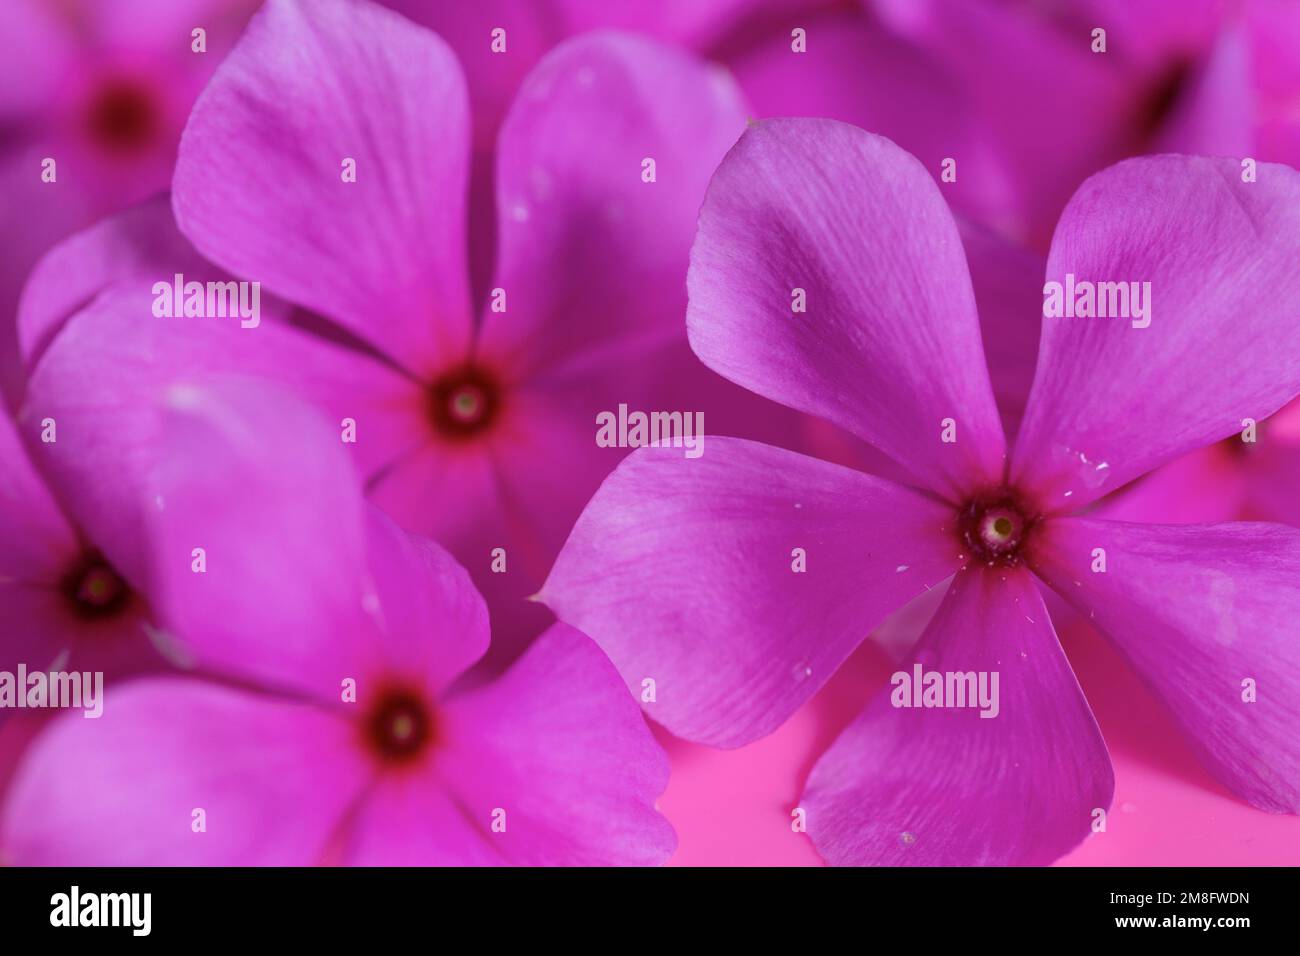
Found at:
<point>682,569</point>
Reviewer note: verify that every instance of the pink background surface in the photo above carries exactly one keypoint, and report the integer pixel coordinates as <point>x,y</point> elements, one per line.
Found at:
<point>732,808</point>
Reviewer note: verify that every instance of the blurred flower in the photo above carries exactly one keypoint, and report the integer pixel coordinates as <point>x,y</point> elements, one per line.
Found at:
<point>686,571</point>
<point>328,728</point>
<point>1230,480</point>
<point>1172,79</point>
<point>102,89</point>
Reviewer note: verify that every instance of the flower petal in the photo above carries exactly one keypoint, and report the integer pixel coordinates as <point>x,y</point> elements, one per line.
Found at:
<point>35,537</point>
<point>152,26</point>
<point>38,547</point>
<point>431,618</point>
<point>36,52</point>
<point>889,347</point>
<point>1198,610</point>
<point>247,476</point>
<point>1112,401</point>
<point>282,599</point>
<point>139,243</point>
<point>590,252</point>
<point>947,786</point>
<point>559,745</point>
<point>411,820</point>
<point>107,376</point>
<point>259,184</point>
<point>683,571</point>
<point>273,778</point>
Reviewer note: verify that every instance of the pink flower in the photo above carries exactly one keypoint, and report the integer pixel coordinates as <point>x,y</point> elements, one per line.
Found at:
<point>474,405</point>
<point>687,571</point>
<point>102,90</point>
<point>331,728</point>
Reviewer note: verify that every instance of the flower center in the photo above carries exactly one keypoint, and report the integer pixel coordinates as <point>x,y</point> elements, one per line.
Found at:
<point>1164,96</point>
<point>122,116</point>
<point>464,402</point>
<point>94,589</point>
<point>1236,448</point>
<point>399,728</point>
<point>994,527</point>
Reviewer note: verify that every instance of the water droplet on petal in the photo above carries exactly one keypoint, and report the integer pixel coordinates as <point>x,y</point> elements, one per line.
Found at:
<point>907,838</point>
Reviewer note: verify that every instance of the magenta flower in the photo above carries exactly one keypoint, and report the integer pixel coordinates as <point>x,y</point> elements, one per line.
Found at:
<point>474,405</point>
<point>102,90</point>
<point>688,572</point>
<point>335,732</point>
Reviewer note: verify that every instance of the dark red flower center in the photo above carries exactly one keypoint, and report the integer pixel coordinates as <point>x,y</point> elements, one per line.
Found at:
<point>122,116</point>
<point>464,402</point>
<point>1236,448</point>
<point>995,526</point>
<point>399,727</point>
<point>94,589</point>
<point>1164,96</point>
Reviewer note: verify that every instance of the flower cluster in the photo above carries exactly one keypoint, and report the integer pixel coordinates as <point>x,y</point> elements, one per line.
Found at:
<point>410,404</point>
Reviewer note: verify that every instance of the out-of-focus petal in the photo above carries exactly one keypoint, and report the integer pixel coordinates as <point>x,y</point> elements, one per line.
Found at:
<point>273,778</point>
<point>1055,110</point>
<point>107,375</point>
<point>1007,280</point>
<point>305,585</point>
<point>561,748</point>
<point>591,253</point>
<point>35,538</point>
<point>856,71</point>
<point>140,243</point>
